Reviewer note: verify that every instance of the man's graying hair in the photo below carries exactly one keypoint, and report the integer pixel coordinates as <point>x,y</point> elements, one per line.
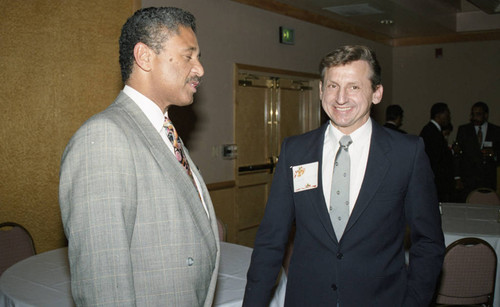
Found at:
<point>351,53</point>
<point>148,26</point>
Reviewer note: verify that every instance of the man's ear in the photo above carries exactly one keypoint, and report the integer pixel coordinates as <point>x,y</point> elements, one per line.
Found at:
<point>377,95</point>
<point>143,56</point>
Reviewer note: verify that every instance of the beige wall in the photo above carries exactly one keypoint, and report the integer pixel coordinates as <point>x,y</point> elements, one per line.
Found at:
<point>467,72</point>
<point>59,64</point>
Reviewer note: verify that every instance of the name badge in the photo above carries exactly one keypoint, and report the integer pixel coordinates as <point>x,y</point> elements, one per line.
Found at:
<point>305,176</point>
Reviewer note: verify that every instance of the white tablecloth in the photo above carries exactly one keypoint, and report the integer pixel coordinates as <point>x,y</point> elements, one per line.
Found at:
<point>473,220</point>
<point>44,280</point>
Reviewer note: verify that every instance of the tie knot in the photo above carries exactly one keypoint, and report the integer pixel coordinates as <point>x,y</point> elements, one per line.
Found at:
<point>345,141</point>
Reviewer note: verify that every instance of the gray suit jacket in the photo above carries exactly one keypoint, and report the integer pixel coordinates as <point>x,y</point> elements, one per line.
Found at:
<point>137,231</point>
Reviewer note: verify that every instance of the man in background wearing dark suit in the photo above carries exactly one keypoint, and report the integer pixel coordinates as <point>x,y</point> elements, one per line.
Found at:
<point>437,149</point>
<point>479,142</point>
<point>394,117</point>
<point>350,223</point>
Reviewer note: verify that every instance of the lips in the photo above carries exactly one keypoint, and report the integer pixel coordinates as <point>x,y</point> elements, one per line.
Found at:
<point>343,109</point>
<point>194,82</point>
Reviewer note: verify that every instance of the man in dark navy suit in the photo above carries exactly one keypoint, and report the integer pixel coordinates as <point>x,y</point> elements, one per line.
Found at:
<point>479,142</point>
<point>438,151</point>
<point>388,187</point>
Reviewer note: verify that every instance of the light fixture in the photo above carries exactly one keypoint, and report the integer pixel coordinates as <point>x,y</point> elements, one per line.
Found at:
<point>387,21</point>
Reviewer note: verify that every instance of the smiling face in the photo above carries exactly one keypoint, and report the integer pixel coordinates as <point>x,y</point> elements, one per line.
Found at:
<point>346,95</point>
<point>176,70</point>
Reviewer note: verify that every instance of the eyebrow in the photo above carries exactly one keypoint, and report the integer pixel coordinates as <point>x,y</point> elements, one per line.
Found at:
<point>193,49</point>
<point>348,83</point>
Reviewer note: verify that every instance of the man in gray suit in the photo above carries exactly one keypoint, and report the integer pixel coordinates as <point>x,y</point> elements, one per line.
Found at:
<point>140,225</point>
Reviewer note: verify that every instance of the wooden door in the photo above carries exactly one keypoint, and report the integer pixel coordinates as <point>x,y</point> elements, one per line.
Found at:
<point>267,109</point>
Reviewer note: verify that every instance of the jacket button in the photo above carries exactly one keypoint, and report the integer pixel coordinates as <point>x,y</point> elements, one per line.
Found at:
<point>334,287</point>
<point>190,261</point>
<point>339,256</point>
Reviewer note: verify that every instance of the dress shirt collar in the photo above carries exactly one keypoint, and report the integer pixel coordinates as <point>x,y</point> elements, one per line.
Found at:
<point>484,126</point>
<point>436,124</point>
<point>150,109</point>
<point>359,136</point>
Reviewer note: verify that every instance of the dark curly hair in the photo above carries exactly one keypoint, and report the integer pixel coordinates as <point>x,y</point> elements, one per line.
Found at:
<point>481,105</point>
<point>351,53</point>
<point>438,108</point>
<point>148,26</point>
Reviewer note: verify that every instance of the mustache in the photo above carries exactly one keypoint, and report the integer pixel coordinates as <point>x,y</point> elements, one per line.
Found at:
<point>194,79</point>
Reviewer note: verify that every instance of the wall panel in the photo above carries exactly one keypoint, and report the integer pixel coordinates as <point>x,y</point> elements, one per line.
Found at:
<point>59,63</point>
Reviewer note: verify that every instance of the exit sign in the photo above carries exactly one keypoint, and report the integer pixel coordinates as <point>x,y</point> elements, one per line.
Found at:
<point>287,36</point>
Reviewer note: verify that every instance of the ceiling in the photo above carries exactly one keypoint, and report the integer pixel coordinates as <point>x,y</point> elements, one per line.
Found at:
<point>397,22</point>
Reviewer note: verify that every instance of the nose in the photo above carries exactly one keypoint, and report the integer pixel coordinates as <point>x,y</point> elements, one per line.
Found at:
<point>198,68</point>
<point>341,96</point>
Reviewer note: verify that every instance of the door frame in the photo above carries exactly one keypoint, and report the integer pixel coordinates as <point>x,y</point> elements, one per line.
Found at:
<point>315,116</point>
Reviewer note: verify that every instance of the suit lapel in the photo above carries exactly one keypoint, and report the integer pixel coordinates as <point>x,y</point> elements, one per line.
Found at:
<point>198,214</point>
<point>376,169</point>
<point>473,137</point>
<point>490,133</point>
<point>169,165</point>
<point>317,199</point>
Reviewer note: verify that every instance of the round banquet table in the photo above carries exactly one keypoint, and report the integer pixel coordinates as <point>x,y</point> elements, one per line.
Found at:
<point>44,279</point>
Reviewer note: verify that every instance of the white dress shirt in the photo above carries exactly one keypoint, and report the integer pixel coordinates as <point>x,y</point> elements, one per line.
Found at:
<point>157,118</point>
<point>436,124</point>
<point>358,153</point>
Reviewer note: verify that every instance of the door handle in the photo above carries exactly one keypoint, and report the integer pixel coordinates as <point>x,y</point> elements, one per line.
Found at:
<point>258,167</point>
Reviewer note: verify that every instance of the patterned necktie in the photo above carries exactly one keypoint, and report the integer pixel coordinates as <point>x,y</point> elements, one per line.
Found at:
<point>339,197</point>
<point>480,137</point>
<point>174,139</point>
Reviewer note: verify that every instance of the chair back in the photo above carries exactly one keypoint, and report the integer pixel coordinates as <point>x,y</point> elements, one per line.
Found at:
<point>483,196</point>
<point>16,244</point>
<point>469,272</point>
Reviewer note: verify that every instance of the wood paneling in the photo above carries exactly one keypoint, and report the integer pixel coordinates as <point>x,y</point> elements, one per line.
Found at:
<point>59,63</point>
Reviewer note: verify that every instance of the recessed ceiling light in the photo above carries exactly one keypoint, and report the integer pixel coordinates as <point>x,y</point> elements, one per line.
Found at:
<point>354,9</point>
<point>387,21</point>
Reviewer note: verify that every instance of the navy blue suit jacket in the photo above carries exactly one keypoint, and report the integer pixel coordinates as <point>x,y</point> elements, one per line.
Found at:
<point>441,160</point>
<point>367,267</point>
<point>475,171</point>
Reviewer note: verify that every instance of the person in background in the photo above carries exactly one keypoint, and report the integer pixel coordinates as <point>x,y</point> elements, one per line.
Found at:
<point>350,188</point>
<point>446,131</point>
<point>453,154</point>
<point>394,117</point>
<point>140,224</point>
<point>438,151</point>
<point>479,142</point>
